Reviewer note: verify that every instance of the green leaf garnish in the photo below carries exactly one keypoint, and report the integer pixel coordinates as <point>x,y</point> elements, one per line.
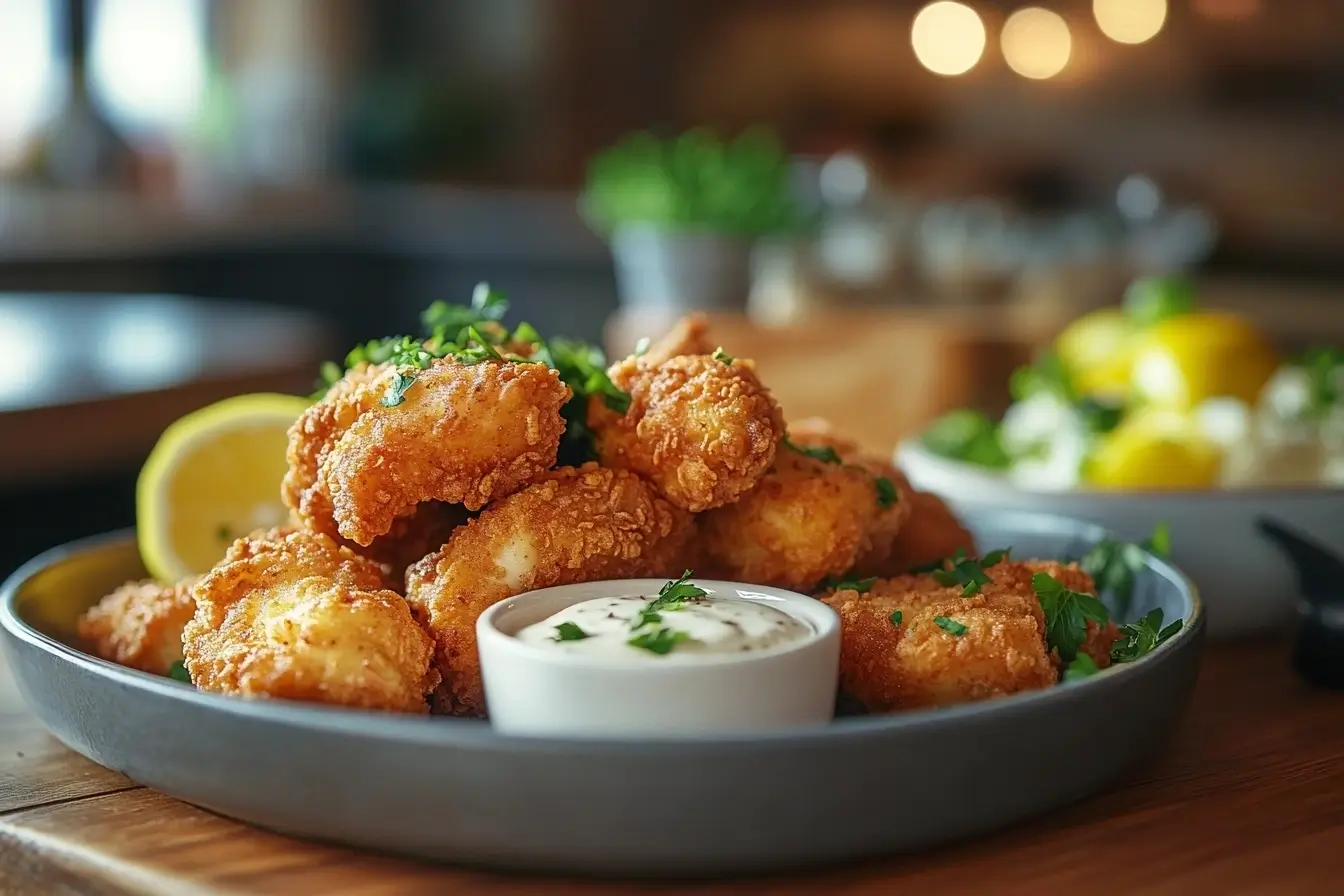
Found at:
<point>1082,666</point>
<point>178,672</point>
<point>568,631</point>
<point>1159,542</point>
<point>676,592</point>
<point>1143,637</point>
<point>951,626</point>
<point>862,586</point>
<point>824,453</point>
<point>887,493</point>
<point>968,572</point>
<point>584,368</point>
<point>478,349</point>
<point>895,617</point>
<point>1046,374</point>
<point>967,436</point>
<point>659,641</point>
<point>1324,368</point>
<point>1151,300</point>
<point>396,389</point>
<point>1066,614</point>
<point>722,356</point>
<point>1115,565</point>
<point>487,304</point>
<point>1099,416</point>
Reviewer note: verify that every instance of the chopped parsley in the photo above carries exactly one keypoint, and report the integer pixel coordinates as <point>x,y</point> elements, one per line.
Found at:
<point>951,626</point>
<point>659,640</point>
<point>568,631</point>
<point>1082,666</point>
<point>824,453</point>
<point>178,672</point>
<point>396,389</point>
<point>486,305</point>
<point>1324,368</point>
<point>1143,637</point>
<point>1099,416</point>
<point>862,586</point>
<point>887,494</point>
<point>722,356</point>
<point>1046,374</point>
<point>1066,614</point>
<point>895,617</point>
<point>968,572</point>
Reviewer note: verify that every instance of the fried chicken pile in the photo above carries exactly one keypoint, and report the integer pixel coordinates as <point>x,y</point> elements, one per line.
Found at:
<point>426,483</point>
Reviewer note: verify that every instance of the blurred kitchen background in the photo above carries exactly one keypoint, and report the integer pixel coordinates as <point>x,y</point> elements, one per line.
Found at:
<point>315,172</point>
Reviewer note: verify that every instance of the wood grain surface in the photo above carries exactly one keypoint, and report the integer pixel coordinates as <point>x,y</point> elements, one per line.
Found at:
<point>1247,798</point>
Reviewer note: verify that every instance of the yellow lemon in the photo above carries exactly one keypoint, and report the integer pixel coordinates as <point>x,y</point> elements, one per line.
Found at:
<point>1154,451</point>
<point>1186,360</point>
<point>1096,350</point>
<point>213,476</point>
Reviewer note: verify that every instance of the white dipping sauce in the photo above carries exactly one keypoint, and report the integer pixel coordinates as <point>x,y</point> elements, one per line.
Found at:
<point>606,626</point>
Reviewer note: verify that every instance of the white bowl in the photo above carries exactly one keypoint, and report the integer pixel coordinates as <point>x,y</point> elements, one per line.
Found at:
<point>1248,585</point>
<point>532,691</point>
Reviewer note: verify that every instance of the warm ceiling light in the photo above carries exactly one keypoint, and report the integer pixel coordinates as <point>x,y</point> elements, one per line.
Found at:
<point>1130,21</point>
<point>948,38</point>
<point>1036,43</point>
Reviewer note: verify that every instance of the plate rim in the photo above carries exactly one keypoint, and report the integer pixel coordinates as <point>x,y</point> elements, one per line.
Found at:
<point>478,734</point>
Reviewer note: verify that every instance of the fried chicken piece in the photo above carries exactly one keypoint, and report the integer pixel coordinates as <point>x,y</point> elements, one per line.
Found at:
<point>578,525</point>
<point>689,336</point>
<point>462,434</point>
<point>996,645</point>
<point>806,520</point>
<point>140,625</point>
<point>703,431</point>
<point>931,533</point>
<point>910,661</point>
<point>296,616</point>
<point>311,439</point>
<point>876,559</point>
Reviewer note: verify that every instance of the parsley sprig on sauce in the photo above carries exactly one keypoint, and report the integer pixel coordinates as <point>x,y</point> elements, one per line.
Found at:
<point>568,631</point>
<point>650,633</point>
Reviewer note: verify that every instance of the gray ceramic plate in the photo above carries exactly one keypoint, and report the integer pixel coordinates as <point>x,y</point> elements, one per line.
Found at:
<point>453,790</point>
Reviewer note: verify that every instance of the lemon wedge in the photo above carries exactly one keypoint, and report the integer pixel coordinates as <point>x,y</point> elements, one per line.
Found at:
<point>213,475</point>
<point>1096,350</point>
<point>1187,360</point>
<point>1155,450</point>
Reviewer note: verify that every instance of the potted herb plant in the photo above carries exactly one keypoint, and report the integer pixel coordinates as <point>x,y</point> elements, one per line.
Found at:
<point>681,215</point>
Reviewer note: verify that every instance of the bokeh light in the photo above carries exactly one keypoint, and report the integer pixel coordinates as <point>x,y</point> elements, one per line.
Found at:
<point>1036,43</point>
<point>949,38</point>
<point>1130,21</point>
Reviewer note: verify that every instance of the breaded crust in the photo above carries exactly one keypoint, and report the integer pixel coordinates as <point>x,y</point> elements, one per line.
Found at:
<point>296,616</point>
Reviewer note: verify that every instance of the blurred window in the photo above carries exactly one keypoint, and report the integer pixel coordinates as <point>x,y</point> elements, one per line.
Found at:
<point>147,62</point>
<point>32,79</point>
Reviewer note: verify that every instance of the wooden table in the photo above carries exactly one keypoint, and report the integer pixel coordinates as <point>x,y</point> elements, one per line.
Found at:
<point>1249,798</point>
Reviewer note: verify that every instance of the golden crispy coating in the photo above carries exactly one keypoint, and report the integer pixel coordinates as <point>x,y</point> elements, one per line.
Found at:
<point>689,336</point>
<point>296,616</point>
<point>917,663</point>
<point>140,625</point>
<point>701,430</point>
<point>464,434</point>
<point>577,525</point>
<point>876,559</point>
<point>931,533</point>
<point>311,439</point>
<point>805,521</point>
